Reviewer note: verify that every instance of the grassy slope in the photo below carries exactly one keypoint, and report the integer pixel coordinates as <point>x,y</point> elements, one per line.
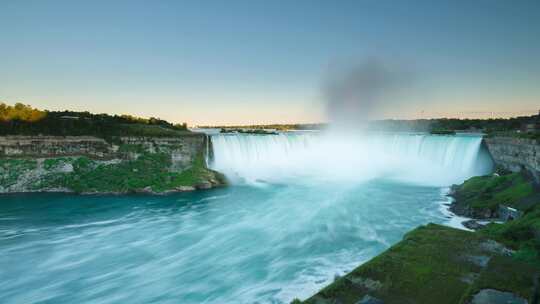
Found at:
<point>426,267</point>
<point>149,170</point>
<point>489,191</point>
<point>11,169</point>
<point>523,235</point>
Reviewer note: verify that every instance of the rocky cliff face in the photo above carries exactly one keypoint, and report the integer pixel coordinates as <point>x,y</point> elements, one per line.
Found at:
<point>92,165</point>
<point>515,154</point>
<point>51,146</point>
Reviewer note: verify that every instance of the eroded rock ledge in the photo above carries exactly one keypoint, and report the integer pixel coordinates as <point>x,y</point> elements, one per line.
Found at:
<point>515,154</point>
<point>85,164</point>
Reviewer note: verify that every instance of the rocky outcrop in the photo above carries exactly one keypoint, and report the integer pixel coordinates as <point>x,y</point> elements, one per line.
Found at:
<point>183,150</point>
<point>87,164</point>
<point>515,154</point>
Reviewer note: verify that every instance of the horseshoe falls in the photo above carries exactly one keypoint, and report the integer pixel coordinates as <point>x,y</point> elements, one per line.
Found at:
<point>413,158</point>
<point>300,209</point>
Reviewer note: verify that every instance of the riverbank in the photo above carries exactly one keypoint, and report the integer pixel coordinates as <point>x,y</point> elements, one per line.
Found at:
<point>90,165</point>
<point>438,264</point>
<point>498,263</point>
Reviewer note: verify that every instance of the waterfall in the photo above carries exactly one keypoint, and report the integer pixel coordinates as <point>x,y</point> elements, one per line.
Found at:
<point>415,158</point>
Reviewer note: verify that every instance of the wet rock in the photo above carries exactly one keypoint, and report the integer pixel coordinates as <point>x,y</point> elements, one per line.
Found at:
<point>472,224</point>
<point>492,296</point>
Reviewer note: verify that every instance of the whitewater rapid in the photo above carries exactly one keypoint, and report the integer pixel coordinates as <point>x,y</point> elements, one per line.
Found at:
<point>422,159</point>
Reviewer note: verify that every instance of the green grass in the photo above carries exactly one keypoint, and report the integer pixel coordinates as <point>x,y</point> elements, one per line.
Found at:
<point>521,234</point>
<point>491,191</point>
<point>426,267</point>
<point>52,163</point>
<point>123,148</point>
<point>148,170</point>
<point>505,274</point>
<point>11,169</point>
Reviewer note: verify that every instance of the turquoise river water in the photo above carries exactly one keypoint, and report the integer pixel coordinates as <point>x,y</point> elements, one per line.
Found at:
<point>298,213</point>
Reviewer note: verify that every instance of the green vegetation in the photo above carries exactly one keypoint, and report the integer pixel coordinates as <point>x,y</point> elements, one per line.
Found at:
<point>498,126</point>
<point>52,163</point>
<point>24,120</point>
<point>435,264</point>
<point>123,148</point>
<point>12,169</point>
<point>522,234</point>
<point>150,171</point>
<point>20,112</point>
<point>488,192</point>
<point>505,273</point>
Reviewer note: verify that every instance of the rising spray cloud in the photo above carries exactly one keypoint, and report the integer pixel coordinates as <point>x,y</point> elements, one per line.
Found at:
<point>356,93</point>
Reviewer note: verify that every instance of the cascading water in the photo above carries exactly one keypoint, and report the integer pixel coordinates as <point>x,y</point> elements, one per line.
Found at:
<point>416,158</point>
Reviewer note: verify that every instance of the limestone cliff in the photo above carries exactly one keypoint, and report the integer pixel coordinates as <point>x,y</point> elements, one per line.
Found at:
<point>515,154</point>
<point>86,164</point>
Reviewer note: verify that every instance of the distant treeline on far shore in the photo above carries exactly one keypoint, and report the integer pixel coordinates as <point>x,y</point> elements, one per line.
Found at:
<point>524,126</point>
<point>277,127</point>
<point>21,119</point>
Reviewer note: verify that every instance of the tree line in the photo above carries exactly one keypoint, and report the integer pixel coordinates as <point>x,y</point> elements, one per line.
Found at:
<point>21,119</point>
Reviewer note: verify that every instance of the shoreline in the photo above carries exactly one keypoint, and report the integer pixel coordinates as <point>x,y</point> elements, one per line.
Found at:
<point>97,193</point>
<point>454,220</point>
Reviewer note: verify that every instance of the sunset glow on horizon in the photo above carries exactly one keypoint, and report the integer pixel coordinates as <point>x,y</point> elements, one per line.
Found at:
<point>256,62</point>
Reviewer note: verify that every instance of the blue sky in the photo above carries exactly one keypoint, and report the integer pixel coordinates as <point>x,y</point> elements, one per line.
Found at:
<point>214,62</point>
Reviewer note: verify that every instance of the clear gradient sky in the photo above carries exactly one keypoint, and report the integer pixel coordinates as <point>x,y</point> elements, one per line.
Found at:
<point>215,62</point>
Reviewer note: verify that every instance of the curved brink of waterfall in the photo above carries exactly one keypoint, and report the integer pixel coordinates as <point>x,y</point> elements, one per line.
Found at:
<point>422,159</point>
